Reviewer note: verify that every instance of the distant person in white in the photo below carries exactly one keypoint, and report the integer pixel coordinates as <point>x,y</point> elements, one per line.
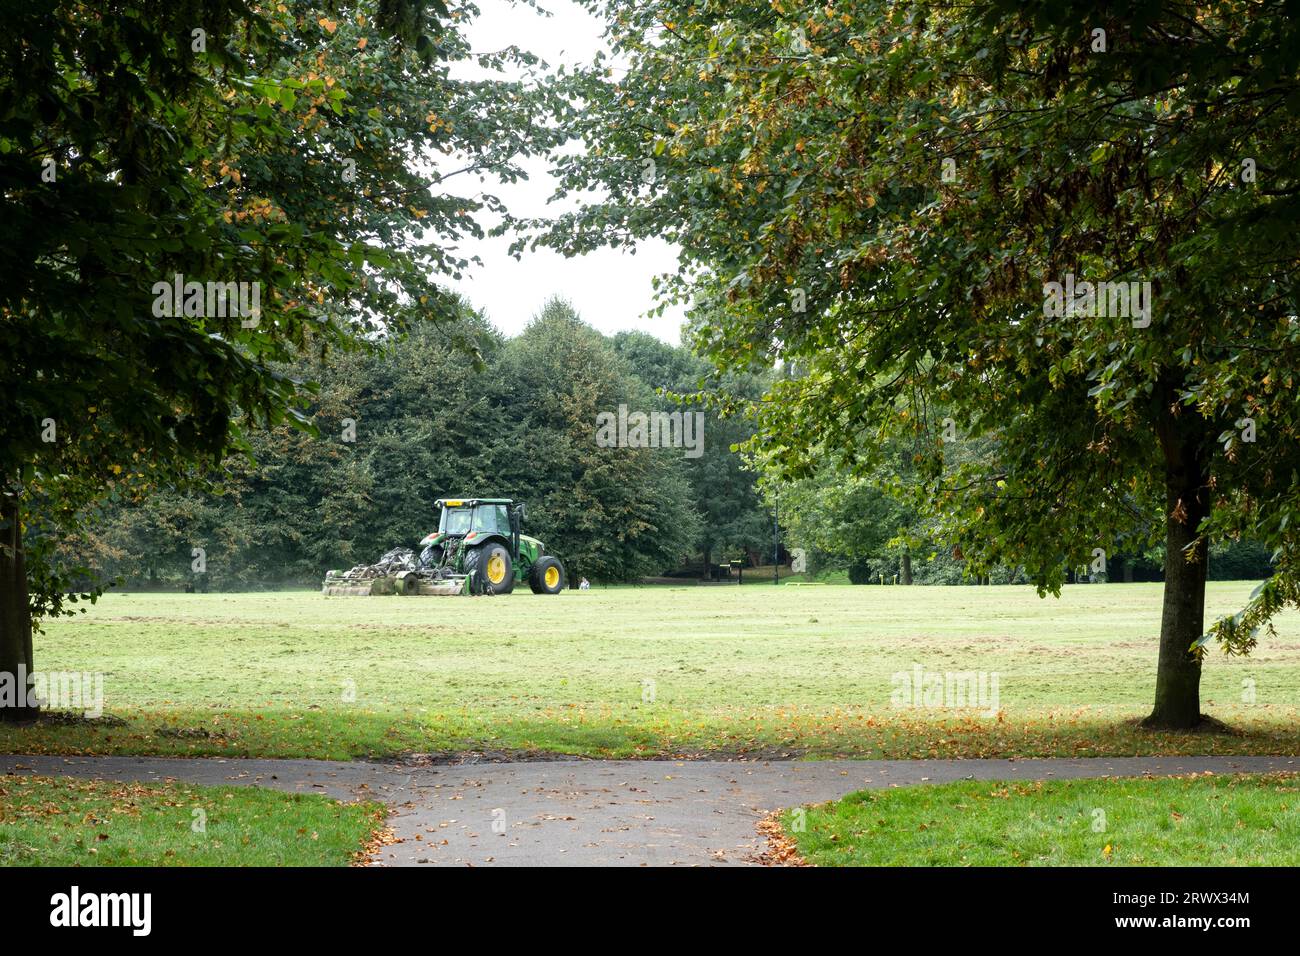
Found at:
<point>584,585</point>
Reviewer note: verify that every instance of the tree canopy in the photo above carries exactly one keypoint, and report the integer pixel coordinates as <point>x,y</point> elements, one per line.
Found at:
<point>885,193</point>
<point>276,147</point>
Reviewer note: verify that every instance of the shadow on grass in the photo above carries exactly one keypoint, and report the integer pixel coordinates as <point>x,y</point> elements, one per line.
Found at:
<point>763,734</point>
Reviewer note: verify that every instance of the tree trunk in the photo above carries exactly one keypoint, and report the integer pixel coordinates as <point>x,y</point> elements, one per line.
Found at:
<point>708,563</point>
<point>907,567</point>
<point>1178,674</point>
<point>15,619</point>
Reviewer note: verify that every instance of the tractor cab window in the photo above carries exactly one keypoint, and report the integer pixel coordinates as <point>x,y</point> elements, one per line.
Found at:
<point>454,521</point>
<point>491,519</point>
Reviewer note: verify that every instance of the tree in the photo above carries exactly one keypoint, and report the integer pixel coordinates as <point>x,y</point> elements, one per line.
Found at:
<point>843,518</point>
<point>723,487</point>
<point>898,198</point>
<point>215,142</point>
<point>612,513</point>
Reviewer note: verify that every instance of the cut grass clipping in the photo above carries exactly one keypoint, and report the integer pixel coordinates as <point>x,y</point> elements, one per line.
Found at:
<point>1197,820</point>
<point>63,821</point>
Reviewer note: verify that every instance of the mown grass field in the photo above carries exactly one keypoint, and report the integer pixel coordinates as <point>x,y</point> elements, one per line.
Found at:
<point>70,822</point>
<point>804,670</point>
<point>1185,821</point>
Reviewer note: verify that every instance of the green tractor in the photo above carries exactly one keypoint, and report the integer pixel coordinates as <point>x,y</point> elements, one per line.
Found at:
<point>477,548</point>
<point>478,543</point>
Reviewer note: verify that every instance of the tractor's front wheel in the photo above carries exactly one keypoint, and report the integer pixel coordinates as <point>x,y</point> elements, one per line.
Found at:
<point>546,576</point>
<point>490,570</point>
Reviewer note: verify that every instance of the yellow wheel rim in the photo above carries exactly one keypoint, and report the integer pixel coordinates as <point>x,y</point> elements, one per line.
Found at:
<point>496,569</point>
<point>552,576</point>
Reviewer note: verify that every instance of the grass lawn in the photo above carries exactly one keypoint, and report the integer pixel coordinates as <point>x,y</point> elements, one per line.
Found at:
<point>1198,820</point>
<point>70,822</point>
<point>796,669</point>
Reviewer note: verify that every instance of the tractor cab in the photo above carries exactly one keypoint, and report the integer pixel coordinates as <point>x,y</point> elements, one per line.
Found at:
<point>475,517</point>
<point>474,521</point>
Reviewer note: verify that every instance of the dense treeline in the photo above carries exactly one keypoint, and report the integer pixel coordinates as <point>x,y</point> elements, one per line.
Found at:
<point>460,410</point>
<point>398,428</point>
<point>868,530</point>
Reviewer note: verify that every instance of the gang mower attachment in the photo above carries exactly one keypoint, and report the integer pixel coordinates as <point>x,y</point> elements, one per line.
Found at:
<point>477,549</point>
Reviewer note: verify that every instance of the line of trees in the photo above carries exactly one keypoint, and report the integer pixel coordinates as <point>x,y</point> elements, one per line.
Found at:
<point>394,429</point>
<point>416,420</point>
<point>869,529</point>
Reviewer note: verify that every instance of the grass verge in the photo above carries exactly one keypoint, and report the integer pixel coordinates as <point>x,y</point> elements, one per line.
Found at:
<point>1197,820</point>
<point>64,821</point>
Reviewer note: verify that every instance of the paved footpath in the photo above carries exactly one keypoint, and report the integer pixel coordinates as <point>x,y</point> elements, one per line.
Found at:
<point>600,812</point>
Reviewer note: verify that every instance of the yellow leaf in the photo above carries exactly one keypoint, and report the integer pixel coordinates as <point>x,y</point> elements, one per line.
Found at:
<point>329,25</point>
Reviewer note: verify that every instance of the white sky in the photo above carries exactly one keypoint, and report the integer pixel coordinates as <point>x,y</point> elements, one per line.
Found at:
<point>610,288</point>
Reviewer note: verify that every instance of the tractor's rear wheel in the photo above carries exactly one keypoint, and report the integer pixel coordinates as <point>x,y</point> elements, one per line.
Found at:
<point>546,576</point>
<point>490,569</point>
